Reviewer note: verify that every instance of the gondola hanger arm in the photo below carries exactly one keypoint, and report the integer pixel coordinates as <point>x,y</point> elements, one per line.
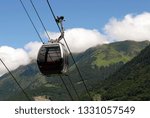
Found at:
<point>59,21</point>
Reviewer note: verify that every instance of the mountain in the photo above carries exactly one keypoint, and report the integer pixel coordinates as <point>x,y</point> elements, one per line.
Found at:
<point>131,81</point>
<point>101,61</point>
<point>96,64</point>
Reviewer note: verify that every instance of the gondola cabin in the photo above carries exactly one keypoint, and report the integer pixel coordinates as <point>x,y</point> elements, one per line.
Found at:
<point>52,59</point>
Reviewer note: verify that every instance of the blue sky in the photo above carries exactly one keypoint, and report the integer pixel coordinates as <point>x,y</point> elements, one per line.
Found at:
<point>16,29</point>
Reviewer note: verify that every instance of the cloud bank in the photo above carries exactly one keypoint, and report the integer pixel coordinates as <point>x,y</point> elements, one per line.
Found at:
<point>13,58</point>
<point>131,27</point>
<point>80,39</point>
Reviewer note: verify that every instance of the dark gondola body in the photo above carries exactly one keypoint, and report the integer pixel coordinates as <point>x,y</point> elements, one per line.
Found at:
<point>52,59</point>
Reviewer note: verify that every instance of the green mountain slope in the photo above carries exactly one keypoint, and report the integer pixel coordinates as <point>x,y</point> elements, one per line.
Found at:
<point>130,82</point>
<point>118,52</point>
<point>101,61</point>
<point>95,64</point>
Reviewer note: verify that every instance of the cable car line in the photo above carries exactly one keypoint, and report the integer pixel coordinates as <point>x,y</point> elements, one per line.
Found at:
<point>40,19</point>
<point>41,39</point>
<point>26,95</point>
<point>70,51</point>
<point>66,87</point>
<point>49,39</point>
<point>31,21</point>
<point>73,87</point>
<point>53,14</point>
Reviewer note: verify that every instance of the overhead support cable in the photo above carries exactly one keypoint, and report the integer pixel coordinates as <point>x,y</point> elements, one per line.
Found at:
<point>40,36</point>
<point>40,19</point>
<point>31,21</point>
<point>73,87</point>
<point>66,88</point>
<point>49,39</point>
<point>82,79</point>
<point>26,95</point>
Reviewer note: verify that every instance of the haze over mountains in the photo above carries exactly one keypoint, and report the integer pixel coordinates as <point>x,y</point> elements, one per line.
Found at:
<point>105,69</point>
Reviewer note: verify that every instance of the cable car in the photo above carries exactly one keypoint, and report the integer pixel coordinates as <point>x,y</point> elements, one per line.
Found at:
<point>52,59</point>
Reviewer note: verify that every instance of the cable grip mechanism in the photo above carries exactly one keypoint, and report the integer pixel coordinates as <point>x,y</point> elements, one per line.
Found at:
<point>59,21</point>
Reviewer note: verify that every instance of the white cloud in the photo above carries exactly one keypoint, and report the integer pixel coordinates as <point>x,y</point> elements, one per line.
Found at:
<point>13,58</point>
<point>130,28</point>
<point>80,39</point>
<point>32,49</point>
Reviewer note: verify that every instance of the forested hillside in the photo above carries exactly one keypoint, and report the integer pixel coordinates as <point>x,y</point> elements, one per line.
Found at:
<point>130,82</point>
